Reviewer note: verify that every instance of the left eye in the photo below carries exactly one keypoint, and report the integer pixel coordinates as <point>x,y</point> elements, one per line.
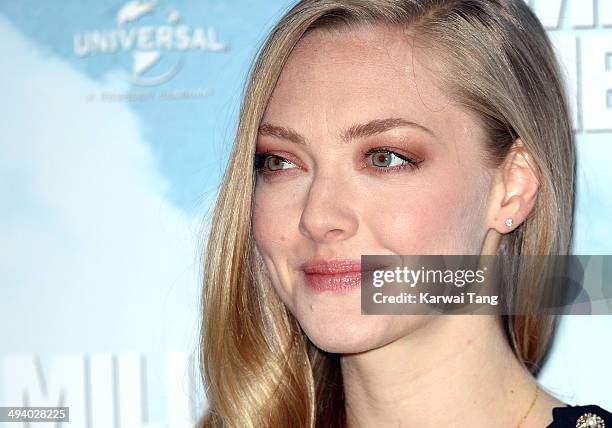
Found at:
<point>387,158</point>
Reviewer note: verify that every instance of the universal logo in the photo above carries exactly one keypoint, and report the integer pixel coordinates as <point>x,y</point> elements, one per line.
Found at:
<point>148,43</point>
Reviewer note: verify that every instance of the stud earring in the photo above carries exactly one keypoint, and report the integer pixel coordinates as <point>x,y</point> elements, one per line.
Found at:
<point>509,222</point>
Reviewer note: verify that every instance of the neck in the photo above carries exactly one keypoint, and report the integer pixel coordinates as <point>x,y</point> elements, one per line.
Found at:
<point>455,368</point>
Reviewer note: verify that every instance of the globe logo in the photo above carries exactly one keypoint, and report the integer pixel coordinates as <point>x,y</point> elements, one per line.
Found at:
<point>147,43</point>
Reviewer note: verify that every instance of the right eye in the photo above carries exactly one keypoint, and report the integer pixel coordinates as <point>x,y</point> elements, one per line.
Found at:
<point>269,162</point>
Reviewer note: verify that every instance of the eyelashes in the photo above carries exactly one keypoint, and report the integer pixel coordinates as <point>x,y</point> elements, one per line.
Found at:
<point>380,160</point>
<point>270,162</point>
<point>387,160</point>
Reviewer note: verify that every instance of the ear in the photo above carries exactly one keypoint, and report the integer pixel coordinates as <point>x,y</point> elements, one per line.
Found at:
<point>514,193</point>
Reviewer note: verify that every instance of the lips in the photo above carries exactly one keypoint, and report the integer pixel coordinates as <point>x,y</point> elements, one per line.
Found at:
<point>337,275</point>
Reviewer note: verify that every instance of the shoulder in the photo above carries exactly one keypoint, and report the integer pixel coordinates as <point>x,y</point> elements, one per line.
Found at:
<point>590,416</point>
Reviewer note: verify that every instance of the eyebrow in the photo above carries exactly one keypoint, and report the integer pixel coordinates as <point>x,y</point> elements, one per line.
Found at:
<point>373,127</point>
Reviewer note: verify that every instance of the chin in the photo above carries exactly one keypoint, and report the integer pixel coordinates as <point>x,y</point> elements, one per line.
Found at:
<point>349,335</point>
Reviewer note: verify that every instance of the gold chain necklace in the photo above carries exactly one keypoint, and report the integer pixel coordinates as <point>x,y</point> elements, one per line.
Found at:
<point>535,397</point>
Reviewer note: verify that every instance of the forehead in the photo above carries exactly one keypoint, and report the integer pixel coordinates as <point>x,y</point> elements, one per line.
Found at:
<point>341,77</point>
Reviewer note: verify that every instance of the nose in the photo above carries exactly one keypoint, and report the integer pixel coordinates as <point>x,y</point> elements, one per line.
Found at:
<point>329,213</point>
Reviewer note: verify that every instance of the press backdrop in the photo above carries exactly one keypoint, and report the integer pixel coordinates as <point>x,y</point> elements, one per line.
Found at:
<point>116,119</point>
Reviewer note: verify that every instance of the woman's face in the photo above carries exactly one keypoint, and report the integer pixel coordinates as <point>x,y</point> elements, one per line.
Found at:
<point>366,155</point>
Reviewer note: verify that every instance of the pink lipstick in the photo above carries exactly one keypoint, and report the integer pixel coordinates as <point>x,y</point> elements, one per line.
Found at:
<point>336,275</point>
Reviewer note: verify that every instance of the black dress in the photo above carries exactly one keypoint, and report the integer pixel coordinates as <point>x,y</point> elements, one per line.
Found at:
<point>581,417</point>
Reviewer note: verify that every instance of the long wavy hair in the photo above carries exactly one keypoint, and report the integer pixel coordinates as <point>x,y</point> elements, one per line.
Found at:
<point>258,367</point>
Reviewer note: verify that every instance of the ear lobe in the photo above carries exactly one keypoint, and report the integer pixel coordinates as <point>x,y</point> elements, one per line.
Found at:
<point>519,186</point>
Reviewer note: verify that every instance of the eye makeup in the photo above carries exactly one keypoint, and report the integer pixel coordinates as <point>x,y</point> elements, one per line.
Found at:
<point>388,159</point>
<point>379,159</point>
<point>270,163</point>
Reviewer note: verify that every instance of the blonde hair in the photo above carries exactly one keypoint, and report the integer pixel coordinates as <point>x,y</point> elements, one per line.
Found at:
<point>259,368</point>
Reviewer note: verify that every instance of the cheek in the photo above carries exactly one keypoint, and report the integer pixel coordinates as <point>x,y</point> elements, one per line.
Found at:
<point>275,225</point>
<point>268,221</point>
<point>439,218</point>
<point>276,215</point>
